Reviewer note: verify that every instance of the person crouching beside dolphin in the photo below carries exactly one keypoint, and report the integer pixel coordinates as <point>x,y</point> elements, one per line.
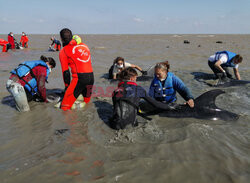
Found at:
<point>118,65</point>
<point>126,100</point>
<point>165,84</point>
<point>220,61</point>
<point>27,82</point>
<point>24,40</point>
<point>57,43</point>
<point>5,44</point>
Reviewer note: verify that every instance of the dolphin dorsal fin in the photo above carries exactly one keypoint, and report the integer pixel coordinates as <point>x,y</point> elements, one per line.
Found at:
<point>207,100</point>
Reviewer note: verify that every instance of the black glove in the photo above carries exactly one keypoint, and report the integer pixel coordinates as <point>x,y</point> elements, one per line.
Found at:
<point>224,74</point>
<point>144,72</point>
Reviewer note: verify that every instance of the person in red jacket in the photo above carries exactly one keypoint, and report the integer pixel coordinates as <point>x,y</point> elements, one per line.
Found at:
<point>27,82</point>
<point>5,44</point>
<point>24,40</point>
<point>78,58</point>
<point>11,40</point>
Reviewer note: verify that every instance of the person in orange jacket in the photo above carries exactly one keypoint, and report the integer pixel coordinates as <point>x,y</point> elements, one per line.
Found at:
<point>24,40</point>
<point>5,44</point>
<point>11,40</point>
<point>77,56</point>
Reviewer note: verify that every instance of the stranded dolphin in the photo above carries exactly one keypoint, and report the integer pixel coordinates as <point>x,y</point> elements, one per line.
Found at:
<point>204,108</point>
<point>221,82</point>
<point>231,82</point>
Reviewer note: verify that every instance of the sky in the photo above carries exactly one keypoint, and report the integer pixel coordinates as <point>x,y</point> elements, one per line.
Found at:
<point>125,16</point>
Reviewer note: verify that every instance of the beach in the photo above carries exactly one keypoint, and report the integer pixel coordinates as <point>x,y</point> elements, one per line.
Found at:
<point>51,145</point>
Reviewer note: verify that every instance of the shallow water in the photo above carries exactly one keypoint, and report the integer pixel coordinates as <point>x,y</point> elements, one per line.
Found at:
<point>49,145</point>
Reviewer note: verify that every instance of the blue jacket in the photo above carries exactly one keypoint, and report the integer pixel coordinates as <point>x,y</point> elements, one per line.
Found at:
<point>25,68</point>
<point>230,56</point>
<point>167,92</point>
<point>55,41</point>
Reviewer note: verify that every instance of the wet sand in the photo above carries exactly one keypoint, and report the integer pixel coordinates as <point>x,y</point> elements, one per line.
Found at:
<point>35,147</point>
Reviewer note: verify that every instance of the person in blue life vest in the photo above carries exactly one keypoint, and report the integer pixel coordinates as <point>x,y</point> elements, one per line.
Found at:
<point>57,43</point>
<point>220,61</point>
<point>27,82</point>
<point>165,84</point>
<point>126,100</point>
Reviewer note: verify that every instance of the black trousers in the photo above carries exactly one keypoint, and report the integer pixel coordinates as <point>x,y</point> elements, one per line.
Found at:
<point>218,72</point>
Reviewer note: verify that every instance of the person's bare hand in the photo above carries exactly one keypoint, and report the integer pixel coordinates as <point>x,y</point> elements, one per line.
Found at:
<point>190,102</point>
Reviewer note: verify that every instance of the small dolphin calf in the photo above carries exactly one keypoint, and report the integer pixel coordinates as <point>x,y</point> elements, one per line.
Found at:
<point>204,108</point>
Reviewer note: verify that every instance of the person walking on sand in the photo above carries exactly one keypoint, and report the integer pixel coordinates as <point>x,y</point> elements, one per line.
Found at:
<point>220,61</point>
<point>27,82</point>
<point>24,40</point>
<point>76,56</point>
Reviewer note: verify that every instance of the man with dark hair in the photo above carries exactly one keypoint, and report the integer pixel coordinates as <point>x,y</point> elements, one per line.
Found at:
<point>220,61</point>
<point>78,58</point>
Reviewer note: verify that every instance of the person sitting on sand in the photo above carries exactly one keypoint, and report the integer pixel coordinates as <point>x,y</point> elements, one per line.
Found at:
<point>220,61</point>
<point>24,40</point>
<point>5,44</point>
<point>27,82</point>
<point>118,65</point>
<point>126,100</point>
<point>165,84</point>
<point>57,43</point>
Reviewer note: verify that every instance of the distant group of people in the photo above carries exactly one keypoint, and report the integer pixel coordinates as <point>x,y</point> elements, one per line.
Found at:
<point>12,43</point>
<point>28,80</point>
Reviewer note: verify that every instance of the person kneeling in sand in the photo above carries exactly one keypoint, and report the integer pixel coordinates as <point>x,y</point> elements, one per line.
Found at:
<point>27,82</point>
<point>126,100</point>
<point>24,40</point>
<point>220,61</point>
<point>165,84</point>
<point>118,65</point>
<point>5,44</point>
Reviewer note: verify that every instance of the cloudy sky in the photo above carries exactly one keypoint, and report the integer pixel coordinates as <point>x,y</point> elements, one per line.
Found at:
<point>126,16</point>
